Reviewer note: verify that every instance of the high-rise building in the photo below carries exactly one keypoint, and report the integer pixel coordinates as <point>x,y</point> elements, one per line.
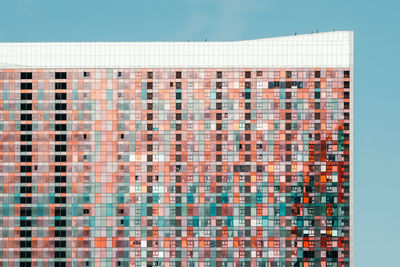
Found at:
<point>177,153</point>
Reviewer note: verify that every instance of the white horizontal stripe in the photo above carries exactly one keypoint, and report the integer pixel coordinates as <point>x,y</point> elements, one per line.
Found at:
<point>330,49</point>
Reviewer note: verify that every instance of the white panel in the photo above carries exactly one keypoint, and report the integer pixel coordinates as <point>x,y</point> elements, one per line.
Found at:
<point>330,49</point>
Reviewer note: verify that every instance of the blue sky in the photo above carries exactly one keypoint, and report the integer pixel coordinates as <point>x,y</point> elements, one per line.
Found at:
<point>376,100</point>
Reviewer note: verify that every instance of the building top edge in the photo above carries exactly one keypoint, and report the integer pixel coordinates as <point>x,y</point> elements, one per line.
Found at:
<point>328,49</point>
<point>318,35</point>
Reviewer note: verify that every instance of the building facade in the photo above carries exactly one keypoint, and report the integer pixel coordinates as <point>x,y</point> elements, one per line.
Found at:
<point>177,154</point>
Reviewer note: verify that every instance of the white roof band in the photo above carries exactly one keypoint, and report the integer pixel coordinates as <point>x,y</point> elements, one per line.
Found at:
<point>329,49</point>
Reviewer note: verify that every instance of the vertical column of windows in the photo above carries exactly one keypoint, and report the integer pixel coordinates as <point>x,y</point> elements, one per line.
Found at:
<point>26,170</point>
<point>60,162</point>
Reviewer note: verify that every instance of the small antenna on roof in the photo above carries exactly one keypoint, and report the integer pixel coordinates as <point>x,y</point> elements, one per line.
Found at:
<point>295,33</point>
<point>317,30</point>
<point>206,39</point>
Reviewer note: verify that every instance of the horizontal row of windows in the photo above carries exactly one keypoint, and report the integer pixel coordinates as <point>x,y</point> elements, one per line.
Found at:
<point>178,74</point>
<point>58,179</point>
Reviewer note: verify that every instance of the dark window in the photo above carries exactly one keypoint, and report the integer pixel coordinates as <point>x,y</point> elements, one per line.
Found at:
<point>61,96</point>
<point>149,75</point>
<point>26,179</point>
<point>26,85</point>
<point>347,74</point>
<point>61,85</point>
<point>309,254</point>
<point>26,75</point>
<point>60,168</point>
<point>119,74</point>
<point>26,148</point>
<point>178,85</point>
<point>26,106</point>
<point>25,158</point>
<point>61,117</point>
<point>61,137</point>
<point>219,74</point>
<point>60,127</point>
<point>299,84</point>
<point>61,75</point>
<point>60,199</point>
<point>60,189</point>
<point>60,244</point>
<point>60,211</point>
<point>26,168</point>
<point>60,158</point>
<point>149,85</point>
<point>247,74</point>
<point>26,96</point>
<point>288,74</point>
<point>60,179</point>
<point>25,211</point>
<point>346,84</point>
<point>259,73</point>
<point>219,85</point>
<point>26,117</point>
<point>60,264</point>
<point>61,148</point>
<point>26,127</point>
<point>317,74</point>
<point>26,137</point>
<point>25,233</point>
<point>86,74</point>
<point>61,106</point>
<point>317,84</point>
<point>178,74</point>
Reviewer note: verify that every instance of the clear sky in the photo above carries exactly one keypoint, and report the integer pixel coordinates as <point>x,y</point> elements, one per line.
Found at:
<point>377,57</point>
